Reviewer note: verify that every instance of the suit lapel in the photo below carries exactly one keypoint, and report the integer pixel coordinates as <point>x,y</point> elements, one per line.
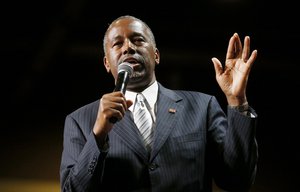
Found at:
<point>168,112</point>
<point>129,133</point>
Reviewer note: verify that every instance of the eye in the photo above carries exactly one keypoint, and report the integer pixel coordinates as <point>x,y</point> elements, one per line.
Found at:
<point>117,44</point>
<point>138,40</point>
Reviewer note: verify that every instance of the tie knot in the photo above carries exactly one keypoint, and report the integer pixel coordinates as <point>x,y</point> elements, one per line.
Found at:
<point>140,100</point>
<point>140,97</point>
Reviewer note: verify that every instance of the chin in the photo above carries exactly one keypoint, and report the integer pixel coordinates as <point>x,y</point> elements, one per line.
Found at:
<point>137,75</point>
<point>135,80</point>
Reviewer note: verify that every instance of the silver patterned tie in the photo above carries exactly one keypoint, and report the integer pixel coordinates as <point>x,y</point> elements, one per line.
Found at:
<point>143,120</point>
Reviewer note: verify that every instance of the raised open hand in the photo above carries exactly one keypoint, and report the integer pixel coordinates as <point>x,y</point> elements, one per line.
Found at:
<point>233,77</point>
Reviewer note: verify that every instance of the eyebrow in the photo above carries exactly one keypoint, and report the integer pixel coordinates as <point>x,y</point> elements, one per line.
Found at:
<point>134,34</point>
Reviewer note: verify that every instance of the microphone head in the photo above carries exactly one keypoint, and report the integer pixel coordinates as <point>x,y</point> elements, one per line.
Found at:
<point>125,66</point>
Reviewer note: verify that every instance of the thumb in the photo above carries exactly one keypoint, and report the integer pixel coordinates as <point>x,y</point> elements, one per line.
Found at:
<point>217,65</point>
<point>129,103</point>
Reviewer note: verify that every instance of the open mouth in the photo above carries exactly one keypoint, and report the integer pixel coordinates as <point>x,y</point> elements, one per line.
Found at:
<point>136,65</point>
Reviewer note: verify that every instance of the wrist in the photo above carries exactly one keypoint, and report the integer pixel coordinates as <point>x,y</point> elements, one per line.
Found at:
<point>241,108</point>
<point>102,142</point>
<point>236,100</point>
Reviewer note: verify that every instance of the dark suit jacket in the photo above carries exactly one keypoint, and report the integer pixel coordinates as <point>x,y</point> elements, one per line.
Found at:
<point>194,142</point>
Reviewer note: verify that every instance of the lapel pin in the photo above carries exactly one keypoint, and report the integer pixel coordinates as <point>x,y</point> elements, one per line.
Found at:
<point>171,110</point>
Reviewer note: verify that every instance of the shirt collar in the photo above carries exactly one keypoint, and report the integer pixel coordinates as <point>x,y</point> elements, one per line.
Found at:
<point>150,94</point>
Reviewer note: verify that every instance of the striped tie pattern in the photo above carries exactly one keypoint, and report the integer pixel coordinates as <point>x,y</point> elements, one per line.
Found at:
<point>143,120</point>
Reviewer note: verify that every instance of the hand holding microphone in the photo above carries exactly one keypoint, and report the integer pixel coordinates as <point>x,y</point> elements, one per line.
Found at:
<point>125,70</point>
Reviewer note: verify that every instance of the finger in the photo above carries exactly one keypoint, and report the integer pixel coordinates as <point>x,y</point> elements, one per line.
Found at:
<point>114,104</point>
<point>118,111</point>
<point>120,104</point>
<point>118,97</point>
<point>230,49</point>
<point>238,44</point>
<point>129,103</point>
<point>114,112</point>
<point>252,58</point>
<point>234,46</point>
<point>119,107</point>
<point>115,116</point>
<point>246,49</point>
<point>218,66</point>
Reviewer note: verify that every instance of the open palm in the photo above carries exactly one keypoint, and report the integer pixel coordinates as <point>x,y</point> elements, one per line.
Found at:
<point>233,77</point>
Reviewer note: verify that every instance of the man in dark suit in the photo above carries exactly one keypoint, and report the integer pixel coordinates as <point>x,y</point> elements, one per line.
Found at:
<point>193,141</point>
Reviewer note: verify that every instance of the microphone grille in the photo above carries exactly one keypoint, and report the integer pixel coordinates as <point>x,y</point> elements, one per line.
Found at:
<point>125,67</point>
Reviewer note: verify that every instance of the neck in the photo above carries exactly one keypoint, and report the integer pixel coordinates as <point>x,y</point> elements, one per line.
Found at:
<point>141,88</point>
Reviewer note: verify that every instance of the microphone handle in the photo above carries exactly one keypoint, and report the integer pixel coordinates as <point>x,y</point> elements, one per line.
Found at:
<point>122,81</point>
<point>121,84</point>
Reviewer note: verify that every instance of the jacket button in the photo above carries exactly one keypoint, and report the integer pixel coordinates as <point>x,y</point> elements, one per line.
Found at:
<point>152,166</point>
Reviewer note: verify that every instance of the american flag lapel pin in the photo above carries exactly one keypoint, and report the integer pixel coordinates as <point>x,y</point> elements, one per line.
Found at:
<point>171,110</point>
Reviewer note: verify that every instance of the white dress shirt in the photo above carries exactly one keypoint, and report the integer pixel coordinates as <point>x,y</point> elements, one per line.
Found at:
<point>150,94</point>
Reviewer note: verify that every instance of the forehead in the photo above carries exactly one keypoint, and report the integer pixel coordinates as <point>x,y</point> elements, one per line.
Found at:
<point>126,27</point>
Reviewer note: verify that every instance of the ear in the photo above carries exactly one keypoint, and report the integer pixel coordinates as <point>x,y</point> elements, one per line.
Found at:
<point>157,56</point>
<point>106,64</point>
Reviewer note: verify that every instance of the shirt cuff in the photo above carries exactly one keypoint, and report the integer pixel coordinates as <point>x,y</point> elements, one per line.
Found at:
<point>244,108</point>
<point>105,147</point>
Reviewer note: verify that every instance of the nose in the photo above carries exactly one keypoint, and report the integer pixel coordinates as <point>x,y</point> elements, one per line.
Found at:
<point>129,47</point>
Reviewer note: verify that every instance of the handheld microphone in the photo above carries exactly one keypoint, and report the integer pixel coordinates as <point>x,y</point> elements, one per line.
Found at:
<point>125,70</point>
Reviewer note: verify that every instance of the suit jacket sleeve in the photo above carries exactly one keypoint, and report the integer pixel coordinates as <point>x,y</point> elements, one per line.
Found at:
<point>234,142</point>
<point>82,161</point>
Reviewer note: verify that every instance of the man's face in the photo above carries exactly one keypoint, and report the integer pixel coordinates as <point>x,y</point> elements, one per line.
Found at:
<point>129,40</point>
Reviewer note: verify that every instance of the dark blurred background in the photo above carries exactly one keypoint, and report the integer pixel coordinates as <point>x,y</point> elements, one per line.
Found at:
<point>51,60</point>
